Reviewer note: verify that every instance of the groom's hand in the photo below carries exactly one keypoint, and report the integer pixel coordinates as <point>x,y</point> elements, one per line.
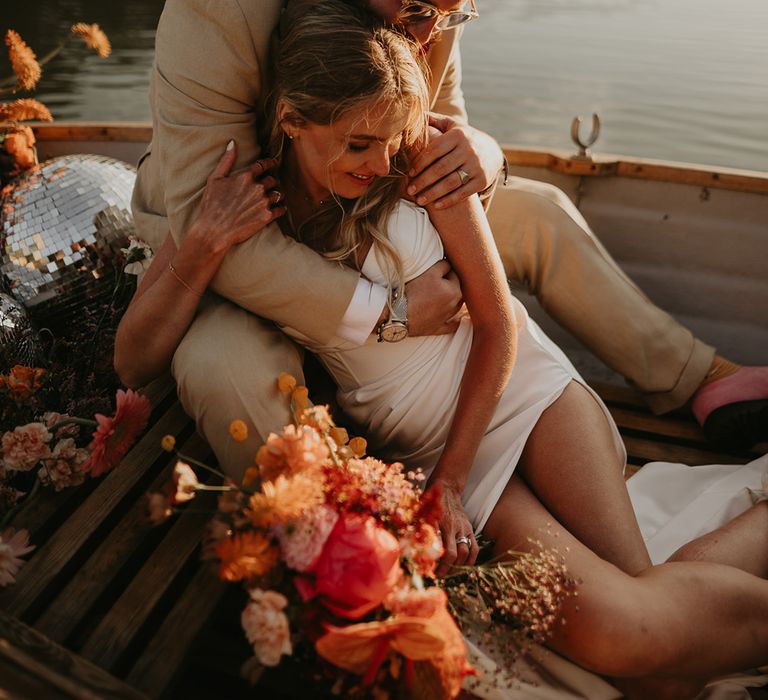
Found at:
<point>458,161</point>
<point>434,301</point>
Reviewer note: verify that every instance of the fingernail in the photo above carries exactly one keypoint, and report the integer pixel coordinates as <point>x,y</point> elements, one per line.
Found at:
<point>439,205</point>
<point>421,200</point>
<point>412,189</point>
<point>231,144</point>
<point>412,172</point>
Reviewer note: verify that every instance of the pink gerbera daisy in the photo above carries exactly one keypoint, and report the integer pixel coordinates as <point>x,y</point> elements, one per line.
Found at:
<point>114,436</point>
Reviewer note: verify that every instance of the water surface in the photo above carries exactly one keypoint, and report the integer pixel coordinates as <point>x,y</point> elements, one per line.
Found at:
<point>682,79</point>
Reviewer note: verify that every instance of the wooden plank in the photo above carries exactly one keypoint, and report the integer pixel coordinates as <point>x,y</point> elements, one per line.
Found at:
<point>163,657</point>
<point>65,610</point>
<point>132,132</point>
<point>649,450</point>
<point>713,177</point>
<point>54,672</point>
<point>120,625</point>
<point>51,557</point>
<point>667,427</point>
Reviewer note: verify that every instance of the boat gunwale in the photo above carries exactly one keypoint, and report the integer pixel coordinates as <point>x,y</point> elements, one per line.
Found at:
<point>554,160</point>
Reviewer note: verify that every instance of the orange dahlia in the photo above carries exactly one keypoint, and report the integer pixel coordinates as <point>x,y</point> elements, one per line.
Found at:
<point>246,555</point>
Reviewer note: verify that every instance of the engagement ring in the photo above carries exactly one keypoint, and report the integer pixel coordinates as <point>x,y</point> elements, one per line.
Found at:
<point>463,540</point>
<point>464,176</point>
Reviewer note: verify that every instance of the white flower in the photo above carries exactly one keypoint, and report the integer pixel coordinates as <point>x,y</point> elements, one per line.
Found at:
<point>266,626</point>
<point>13,545</point>
<point>138,257</point>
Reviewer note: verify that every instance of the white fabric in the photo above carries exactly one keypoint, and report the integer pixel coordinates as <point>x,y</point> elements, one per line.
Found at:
<point>363,311</point>
<point>676,503</point>
<point>404,394</point>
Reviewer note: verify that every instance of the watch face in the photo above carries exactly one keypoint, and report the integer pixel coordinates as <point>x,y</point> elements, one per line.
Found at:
<point>394,332</point>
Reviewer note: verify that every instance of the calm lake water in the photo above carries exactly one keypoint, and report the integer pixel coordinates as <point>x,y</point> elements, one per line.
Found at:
<point>682,79</point>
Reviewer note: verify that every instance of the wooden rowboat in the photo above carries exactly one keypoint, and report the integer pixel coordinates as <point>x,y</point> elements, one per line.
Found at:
<point>109,607</point>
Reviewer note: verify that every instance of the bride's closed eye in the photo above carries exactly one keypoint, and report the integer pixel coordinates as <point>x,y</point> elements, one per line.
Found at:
<point>357,147</point>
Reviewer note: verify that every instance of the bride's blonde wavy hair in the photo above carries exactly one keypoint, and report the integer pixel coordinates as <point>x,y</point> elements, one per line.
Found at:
<point>331,62</point>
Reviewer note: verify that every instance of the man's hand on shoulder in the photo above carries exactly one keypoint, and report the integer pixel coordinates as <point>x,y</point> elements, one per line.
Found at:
<point>434,301</point>
<point>458,161</point>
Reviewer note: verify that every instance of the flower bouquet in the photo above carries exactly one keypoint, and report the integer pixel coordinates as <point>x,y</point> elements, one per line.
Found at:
<point>338,553</point>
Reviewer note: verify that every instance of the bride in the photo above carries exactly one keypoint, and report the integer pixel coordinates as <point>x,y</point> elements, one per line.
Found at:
<point>494,413</point>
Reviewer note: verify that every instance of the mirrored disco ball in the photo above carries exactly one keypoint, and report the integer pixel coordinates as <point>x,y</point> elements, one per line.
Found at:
<point>19,343</point>
<point>63,223</point>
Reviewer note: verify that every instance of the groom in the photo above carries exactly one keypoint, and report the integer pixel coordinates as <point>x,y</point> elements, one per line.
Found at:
<point>209,85</point>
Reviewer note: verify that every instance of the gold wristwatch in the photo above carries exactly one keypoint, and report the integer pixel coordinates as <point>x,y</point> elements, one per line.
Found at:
<point>395,328</point>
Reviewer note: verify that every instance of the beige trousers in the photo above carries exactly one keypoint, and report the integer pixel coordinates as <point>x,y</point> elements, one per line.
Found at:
<point>227,364</point>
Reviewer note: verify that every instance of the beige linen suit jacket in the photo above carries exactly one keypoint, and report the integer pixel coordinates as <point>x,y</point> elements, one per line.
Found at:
<point>209,82</point>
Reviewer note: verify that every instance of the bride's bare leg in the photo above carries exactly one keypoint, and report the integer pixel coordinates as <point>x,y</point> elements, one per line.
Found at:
<point>571,463</point>
<point>743,543</point>
<point>649,625</point>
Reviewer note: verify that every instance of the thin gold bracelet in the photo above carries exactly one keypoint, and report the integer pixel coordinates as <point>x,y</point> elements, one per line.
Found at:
<point>182,282</point>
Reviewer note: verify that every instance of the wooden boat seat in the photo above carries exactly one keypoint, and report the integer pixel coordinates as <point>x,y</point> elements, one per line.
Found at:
<point>110,607</point>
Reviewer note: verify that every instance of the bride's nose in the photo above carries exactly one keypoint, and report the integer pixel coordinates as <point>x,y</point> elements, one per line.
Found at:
<point>380,162</point>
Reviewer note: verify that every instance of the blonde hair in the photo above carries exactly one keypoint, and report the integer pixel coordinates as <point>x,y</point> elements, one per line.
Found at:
<point>331,62</point>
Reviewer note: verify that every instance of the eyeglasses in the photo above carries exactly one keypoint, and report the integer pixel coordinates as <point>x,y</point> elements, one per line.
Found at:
<point>413,11</point>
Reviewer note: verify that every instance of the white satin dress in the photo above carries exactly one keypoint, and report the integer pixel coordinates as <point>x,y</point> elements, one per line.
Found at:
<point>404,394</point>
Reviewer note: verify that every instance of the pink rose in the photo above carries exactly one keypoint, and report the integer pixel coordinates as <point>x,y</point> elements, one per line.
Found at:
<point>25,446</point>
<point>358,567</point>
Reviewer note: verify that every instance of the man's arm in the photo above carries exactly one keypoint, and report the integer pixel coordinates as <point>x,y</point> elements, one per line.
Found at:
<point>207,88</point>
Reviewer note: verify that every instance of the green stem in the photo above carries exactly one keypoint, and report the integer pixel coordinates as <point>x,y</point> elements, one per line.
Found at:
<point>74,420</point>
<point>205,487</point>
<point>12,512</point>
<point>202,465</point>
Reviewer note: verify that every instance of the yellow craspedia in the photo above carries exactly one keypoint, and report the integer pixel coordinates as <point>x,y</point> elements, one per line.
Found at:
<point>168,443</point>
<point>286,383</point>
<point>300,396</point>
<point>339,435</point>
<point>238,430</point>
<point>251,476</point>
<point>358,445</point>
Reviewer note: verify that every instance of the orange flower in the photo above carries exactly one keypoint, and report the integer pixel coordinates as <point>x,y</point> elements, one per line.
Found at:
<point>13,545</point>
<point>114,435</point>
<point>300,396</point>
<point>94,38</point>
<point>363,647</point>
<point>251,476</point>
<point>317,417</point>
<point>168,443</point>
<point>340,436</point>
<point>286,383</point>
<point>25,109</point>
<point>246,555</point>
<point>24,381</point>
<point>238,430</point>
<point>285,499</point>
<point>296,450</point>
<point>431,605</point>
<point>358,445</point>
<point>20,145</point>
<point>23,61</point>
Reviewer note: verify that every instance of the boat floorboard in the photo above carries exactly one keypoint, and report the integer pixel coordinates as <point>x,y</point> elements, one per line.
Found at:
<point>109,606</point>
